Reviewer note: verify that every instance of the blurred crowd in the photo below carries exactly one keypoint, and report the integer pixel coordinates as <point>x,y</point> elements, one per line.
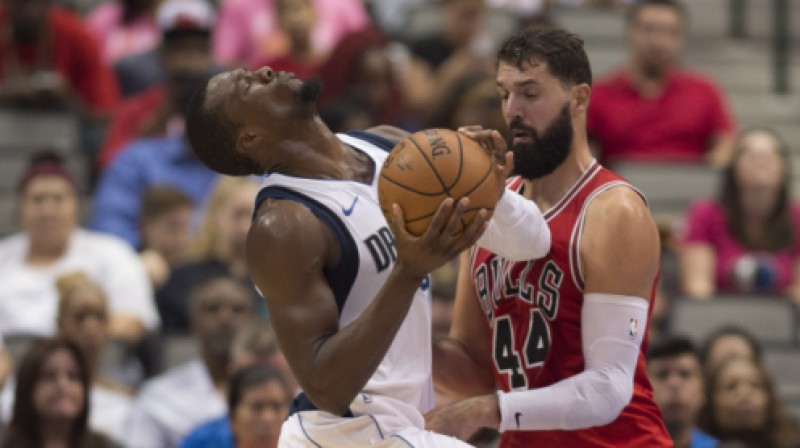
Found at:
<point>126,311</point>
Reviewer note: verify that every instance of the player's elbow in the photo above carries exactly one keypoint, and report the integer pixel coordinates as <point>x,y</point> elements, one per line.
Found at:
<point>614,395</point>
<point>329,400</point>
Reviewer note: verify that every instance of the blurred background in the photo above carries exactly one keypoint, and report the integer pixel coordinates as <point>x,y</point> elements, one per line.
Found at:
<point>122,257</point>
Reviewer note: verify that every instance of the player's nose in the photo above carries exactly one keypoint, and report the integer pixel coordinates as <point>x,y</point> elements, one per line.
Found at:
<point>265,74</point>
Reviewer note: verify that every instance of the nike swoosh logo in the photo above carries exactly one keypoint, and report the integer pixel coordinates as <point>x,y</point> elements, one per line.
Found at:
<point>349,211</point>
<point>516,417</point>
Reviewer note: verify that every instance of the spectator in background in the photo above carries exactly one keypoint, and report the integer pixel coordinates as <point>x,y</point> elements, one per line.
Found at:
<point>172,404</point>
<point>165,230</point>
<point>296,21</point>
<point>674,369</point>
<point>48,58</point>
<point>729,342</point>
<point>258,400</point>
<point>472,100</point>
<point>461,47</point>
<point>124,27</point>
<point>50,244</point>
<point>83,319</point>
<point>254,345</point>
<point>652,110</point>
<point>741,405</point>
<point>51,404</point>
<point>359,70</point>
<point>247,32</point>
<point>747,240</point>
<point>184,63</point>
<point>219,249</point>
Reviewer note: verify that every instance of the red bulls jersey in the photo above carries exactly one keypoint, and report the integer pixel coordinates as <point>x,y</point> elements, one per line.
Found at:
<point>534,311</point>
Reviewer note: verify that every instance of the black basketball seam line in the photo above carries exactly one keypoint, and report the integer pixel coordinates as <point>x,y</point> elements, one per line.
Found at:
<point>472,209</point>
<point>475,187</point>
<point>404,186</point>
<point>432,167</point>
<point>460,159</point>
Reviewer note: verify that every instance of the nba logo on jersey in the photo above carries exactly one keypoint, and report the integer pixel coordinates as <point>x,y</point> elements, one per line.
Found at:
<point>633,328</point>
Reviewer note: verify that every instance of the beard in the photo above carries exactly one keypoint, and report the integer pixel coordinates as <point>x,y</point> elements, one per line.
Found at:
<point>310,90</point>
<point>545,152</point>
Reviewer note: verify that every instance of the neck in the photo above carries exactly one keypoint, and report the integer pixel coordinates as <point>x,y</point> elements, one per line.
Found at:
<point>548,190</point>
<point>217,369</point>
<point>680,433</point>
<point>57,433</point>
<point>45,254</point>
<point>324,156</point>
<point>649,85</point>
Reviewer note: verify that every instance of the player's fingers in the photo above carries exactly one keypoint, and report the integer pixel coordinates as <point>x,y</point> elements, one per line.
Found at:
<point>470,129</point>
<point>398,223</point>
<point>455,218</point>
<point>440,218</point>
<point>509,165</point>
<point>499,145</point>
<point>475,229</point>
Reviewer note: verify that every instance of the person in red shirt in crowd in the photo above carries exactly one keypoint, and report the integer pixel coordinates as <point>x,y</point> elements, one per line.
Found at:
<point>185,55</point>
<point>48,58</point>
<point>652,110</point>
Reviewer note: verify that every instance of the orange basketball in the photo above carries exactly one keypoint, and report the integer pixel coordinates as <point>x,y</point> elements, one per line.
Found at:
<point>429,166</point>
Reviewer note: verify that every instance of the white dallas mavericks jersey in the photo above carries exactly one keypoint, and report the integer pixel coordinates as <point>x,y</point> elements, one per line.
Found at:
<point>401,388</point>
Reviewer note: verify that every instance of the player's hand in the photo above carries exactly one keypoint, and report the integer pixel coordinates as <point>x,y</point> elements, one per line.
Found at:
<point>464,418</point>
<point>441,242</point>
<point>493,142</point>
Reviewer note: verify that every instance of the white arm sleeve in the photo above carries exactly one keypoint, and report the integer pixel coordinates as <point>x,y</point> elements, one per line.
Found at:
<point>612,331</point>
<point>517,230</point>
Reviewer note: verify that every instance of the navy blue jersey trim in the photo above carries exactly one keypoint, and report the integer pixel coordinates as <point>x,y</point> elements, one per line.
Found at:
<point>342,276</point>
<point>377,140</point>
<point>302,403</point>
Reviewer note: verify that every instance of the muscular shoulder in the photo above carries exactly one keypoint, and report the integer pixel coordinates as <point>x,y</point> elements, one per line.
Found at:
<point>620,246</point>
<point>286,235</point>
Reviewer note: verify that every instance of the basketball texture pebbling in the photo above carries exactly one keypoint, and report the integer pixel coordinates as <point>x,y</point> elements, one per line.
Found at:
<point>429,166</point>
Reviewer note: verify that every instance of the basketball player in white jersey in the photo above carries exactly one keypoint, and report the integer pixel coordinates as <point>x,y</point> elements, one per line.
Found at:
<point>347,294</point>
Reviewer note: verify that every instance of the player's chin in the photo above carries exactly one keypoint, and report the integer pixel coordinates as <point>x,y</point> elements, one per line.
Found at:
<point>310,90</point>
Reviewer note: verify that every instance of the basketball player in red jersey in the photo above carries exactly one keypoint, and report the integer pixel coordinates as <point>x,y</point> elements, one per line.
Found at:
<point>563,337</point>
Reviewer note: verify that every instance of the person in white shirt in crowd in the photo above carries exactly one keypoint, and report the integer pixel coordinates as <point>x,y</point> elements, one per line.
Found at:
<point>171,405</point>
<point>50,243</point>
<point>83,320</point>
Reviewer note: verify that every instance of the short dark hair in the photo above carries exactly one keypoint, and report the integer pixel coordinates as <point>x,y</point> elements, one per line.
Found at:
<point>162,199</point>
<point>563,51</point>
<point>672,347</point>
<point>250,377</point>
<point>633,11</point>
<point>211,136</point>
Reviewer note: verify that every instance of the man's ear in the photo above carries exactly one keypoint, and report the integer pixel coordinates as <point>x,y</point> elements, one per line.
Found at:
<point>580,98</point>
<point>247,138</point>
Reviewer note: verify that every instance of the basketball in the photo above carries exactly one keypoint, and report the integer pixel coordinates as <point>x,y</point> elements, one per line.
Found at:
<point>429,166</point>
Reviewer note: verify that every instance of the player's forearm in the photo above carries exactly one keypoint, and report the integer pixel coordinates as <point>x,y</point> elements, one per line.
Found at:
<point>344,362</point>
<point>517,230</point>
<point>456,373</point>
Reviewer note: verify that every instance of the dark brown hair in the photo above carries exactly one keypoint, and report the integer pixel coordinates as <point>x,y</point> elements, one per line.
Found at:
<point>25,428</point>
<point>778,430</point>
<point>779,232</point>
<point>162,199</point>
<point>562,51</point>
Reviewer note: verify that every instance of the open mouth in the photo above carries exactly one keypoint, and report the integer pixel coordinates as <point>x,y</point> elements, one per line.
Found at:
<point>521,135</point>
